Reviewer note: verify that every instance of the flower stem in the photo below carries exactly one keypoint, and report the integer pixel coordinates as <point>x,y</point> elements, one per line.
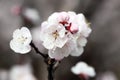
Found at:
<point>37,51</point>
<point>50,72</point>
<point>52,64</point>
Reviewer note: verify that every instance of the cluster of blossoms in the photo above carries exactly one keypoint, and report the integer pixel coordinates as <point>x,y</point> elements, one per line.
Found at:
<point>83,70</point>
<point>63,34</point>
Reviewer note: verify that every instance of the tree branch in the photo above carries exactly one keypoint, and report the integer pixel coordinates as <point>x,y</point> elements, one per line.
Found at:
<point>37,51</point>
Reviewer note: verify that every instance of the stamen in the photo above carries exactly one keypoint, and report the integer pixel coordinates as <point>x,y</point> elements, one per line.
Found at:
<point>22,39</point>
<point>55,34</point>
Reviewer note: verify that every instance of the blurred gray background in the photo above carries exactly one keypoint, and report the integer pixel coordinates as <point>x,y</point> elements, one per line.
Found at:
<point>101,52</point>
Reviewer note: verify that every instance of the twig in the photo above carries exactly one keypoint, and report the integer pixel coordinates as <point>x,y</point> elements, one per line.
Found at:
<point>50,69</point>
<point>37,51</point>
<point>52,64</point>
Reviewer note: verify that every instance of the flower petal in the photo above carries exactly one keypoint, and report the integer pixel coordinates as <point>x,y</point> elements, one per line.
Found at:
<point>59,53</point>
<point>19,48</point>
<point>77,52</point>
<point>60,42</point>
<point>82,41</point>
<point>49,42</point>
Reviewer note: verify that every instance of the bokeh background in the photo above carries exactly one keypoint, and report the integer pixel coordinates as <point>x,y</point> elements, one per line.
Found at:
<point>103,48</point>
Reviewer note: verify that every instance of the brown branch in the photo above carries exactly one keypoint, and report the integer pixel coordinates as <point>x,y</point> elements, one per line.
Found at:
<point>37,51</point>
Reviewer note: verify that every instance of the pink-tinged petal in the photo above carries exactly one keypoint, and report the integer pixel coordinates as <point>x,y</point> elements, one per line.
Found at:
<point>74,28</point>
<point>63,16</point>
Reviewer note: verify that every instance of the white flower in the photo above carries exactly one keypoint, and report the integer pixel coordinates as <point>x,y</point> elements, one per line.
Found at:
<point>21,72</point>
<point>64,34</point>
<point>21,40</point>
<point>53,36</point>
<point>31,14</point>
<point>82,68</point>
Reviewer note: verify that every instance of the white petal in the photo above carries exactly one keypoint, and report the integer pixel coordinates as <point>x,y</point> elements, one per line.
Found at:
<point>14,46</point>
<point>62,31</point>
<point>44,25</point>
<point>60,42</point>
<point>63,16</point>
<point>83,25</point>
<point>51,28</point>
<point>72,16</point>
<point>53,18</point>
<point>57,56</point>
<point>81,17</point>
<point>16,33</point>
<point>59,53</point>
<point>25,49</point>
<point>49,42</point>
<point>77,51</point>
<point>82,41</point>
<point>71,13</point>
<point>19,48</point>
<point>25,31</point>
<point>86,31</point>
<point>48,45</point>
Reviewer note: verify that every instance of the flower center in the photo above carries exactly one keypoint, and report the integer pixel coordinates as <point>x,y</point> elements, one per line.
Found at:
<point>22,39</point>
<point>68,27</point>
<point>55,34</point>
